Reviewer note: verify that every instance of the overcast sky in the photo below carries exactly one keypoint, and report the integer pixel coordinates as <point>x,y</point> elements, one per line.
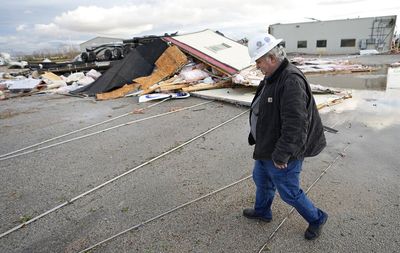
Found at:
<point>28,25</point>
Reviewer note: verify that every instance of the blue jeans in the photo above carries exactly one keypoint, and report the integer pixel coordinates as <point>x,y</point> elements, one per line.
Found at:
<point>268,179</point>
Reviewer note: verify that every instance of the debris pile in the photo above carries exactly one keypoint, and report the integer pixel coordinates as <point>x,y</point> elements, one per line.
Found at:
<point>395,64</point>
<point>48,82</point>
<point>250,76</point>
<point>170,65</point>
<point>185,63</point>
<point>318,66</point>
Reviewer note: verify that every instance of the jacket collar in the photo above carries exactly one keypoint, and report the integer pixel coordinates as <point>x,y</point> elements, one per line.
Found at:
<point>270,79</point>
<point>278,71</point>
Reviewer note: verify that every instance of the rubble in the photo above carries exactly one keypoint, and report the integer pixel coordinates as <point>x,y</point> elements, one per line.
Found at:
<point>395,64</point>
<point>323,66</point>
<point>158,96</point>
<point>250,76</point>
<point>117,93</point>
<point>369,52</point>
<point>167,65</point>
<point>171,64</point>
<point>46,82</point>
<point>25,84</point>
<point>213,49</point>
<point>49,77</point>
<point>138,63</point>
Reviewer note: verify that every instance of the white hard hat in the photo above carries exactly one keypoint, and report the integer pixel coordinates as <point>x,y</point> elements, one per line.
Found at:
<point>261,44</point>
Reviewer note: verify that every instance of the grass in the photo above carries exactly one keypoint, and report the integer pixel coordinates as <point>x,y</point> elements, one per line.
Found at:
<point>25,218</point>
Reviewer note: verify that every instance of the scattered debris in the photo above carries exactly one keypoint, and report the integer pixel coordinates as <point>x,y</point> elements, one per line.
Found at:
<point>369,52</point>
<point>138,111</point>
<point>50,77</point>
<point>330,130</point>
<point>139,62</point>
<point>118,93</point>
<point>167,64</point>
<point>331,100</point>
<point>214,49</point>
<point>163,66</point>
<point>26,84</point>
<point>319,89</point>
<point>157,96</point>
<point>395,64</point>
<point>250,76</point>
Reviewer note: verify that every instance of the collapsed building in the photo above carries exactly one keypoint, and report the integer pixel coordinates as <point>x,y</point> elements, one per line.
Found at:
<point>190,63</point>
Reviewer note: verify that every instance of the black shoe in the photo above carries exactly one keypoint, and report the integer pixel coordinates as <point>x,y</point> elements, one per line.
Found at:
<point>313,231</point>
<point>250,213</point>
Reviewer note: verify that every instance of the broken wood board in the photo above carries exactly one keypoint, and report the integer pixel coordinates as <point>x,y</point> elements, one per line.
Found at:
<point>51,76</point>
<point>207,86</point>
<point>323,101</point>
<point>166,65</point>
<point>172,87</point>
<point>118,93</point>
<point>160,87</point>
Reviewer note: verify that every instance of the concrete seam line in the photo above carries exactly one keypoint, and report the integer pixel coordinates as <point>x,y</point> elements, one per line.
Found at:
<point>292,209</point>
<point>121,175</point>
<point>165,213</point>
<point>77,130</point>
<point>101,131</point>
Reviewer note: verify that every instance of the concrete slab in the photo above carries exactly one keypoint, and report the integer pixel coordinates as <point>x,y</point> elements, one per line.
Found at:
<point>244,96</point>
<point>360,191</point>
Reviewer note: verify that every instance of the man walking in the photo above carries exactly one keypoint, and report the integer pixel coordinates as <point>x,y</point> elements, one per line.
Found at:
<point>285,127</point>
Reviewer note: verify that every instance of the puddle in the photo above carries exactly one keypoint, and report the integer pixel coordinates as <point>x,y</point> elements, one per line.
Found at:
<point>393,78</point>
<point>376,97</point>
<point>360,81</point>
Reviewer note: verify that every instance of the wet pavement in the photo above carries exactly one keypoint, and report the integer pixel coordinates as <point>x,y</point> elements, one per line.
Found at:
<point>359,190</point>
<point>375,97</point>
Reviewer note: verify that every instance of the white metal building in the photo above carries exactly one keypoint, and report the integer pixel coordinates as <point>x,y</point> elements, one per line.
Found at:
<point>216,46</point>
<point>97,41</point>
<point>346,36</point>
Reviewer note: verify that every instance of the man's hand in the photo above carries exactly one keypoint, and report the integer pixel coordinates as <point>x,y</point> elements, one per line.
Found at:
<point>280,166</point>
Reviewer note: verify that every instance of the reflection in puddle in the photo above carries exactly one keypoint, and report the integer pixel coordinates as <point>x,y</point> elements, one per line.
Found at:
<point>393,78</point>
<point>376,108</point>
<point>371,81</point>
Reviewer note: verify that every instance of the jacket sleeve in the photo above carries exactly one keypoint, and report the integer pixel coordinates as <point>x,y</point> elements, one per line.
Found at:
<point>294,120</point>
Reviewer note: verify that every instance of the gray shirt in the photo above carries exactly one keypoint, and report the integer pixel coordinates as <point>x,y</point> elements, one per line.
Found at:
<point>255,108</point>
